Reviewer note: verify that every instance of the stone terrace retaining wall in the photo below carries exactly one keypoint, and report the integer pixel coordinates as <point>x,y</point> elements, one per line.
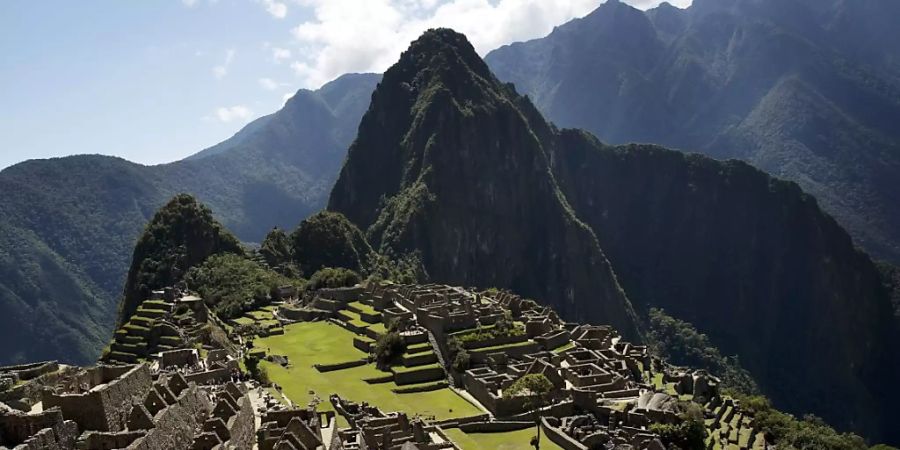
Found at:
<point>495,426</point>
<point>105,407</point>
<point>559,437</point>
<point>340,366</point>
<point>45,430</point>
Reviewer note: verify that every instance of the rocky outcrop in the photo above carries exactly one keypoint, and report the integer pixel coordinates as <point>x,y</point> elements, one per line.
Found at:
<point>452,164</point>
<point>456,166</point>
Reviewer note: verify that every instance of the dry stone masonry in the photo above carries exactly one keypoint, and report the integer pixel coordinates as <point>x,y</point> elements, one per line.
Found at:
<point>172,380</point>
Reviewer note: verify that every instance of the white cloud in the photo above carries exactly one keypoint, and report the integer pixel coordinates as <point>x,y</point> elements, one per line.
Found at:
<point>189,3</point>
<point>222,69</point>
<point>369,35</point>
<point>233,113</point>
<point>270,84</point>
<point>280,54</point>
<point>646,4</point>
<point>277,9</point>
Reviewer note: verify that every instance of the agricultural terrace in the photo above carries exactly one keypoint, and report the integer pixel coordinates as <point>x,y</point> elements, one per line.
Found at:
<point>511,440</point>
<point>309,343</point>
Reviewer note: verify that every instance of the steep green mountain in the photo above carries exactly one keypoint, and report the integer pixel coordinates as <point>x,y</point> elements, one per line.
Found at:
<point>453,164</point>
<point>181,235</point>
<point>807,90</point>
<point>70,224</point>
<point>328,239</point>
<point>446,163</point>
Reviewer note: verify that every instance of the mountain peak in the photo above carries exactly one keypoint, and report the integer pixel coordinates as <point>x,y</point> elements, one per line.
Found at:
<point>441,53</point>
<point>447,161</point>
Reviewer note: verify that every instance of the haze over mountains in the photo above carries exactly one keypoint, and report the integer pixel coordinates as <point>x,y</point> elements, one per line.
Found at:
<point>69,225</point>
<point>807,90</point>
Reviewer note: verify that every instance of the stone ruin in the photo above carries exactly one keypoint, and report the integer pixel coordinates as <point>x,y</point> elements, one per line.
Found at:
<point>170,387</point>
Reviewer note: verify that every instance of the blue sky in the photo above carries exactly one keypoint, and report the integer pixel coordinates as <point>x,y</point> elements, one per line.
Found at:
<point>155,81</point>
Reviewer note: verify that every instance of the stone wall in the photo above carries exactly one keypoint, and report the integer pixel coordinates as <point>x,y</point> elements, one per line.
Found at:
<point>101,440</point>
<point>29,371</point>
<point>497,426</point>
<point>175,425</point>
<point>105,407</point>
<point>44,430</point>
<point>419,376</point>
<point>209,376</point>
<point>242,426</point>
<point>560,438</point>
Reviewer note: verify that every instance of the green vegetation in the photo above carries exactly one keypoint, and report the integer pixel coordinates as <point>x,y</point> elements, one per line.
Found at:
<point>181,235</point>
<point>277,252</point>
<point>504,327</point>
<point>511,440</point>
<point>687,435</point>
<point>311,343</point>
<point>388,349</point>
<point>328,239</point>
<point>68,226</point>
<point>680,343</point>
<point>332,278</point>
<point>231,284</point>
<point>786,431</point>
<point>536,389</point>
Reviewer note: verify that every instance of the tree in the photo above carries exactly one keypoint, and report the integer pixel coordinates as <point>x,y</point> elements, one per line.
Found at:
<point>690,434</point>
<point>536,389</point>
<point>388,348</point>
<point>461,361</point>
<point>332,278</point>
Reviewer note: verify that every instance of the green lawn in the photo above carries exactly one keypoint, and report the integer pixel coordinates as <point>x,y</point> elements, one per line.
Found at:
<point>261,317</point>
<point>311,343</point>
<point>363,307</point>
<point>512,440</point>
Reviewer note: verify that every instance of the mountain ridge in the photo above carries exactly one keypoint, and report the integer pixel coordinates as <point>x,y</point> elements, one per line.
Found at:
<point>438,169</point>
<point>712,78</point>
<point>440,80</point>
<point>82,214</point>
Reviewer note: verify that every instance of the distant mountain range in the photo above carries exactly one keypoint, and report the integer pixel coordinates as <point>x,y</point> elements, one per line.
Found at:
<point>462,170</point>
<point>807,90</point>
<point>456,167</point>
<point>68,225</point>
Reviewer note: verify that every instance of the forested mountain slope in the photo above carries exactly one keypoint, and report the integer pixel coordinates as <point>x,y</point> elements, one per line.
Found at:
<point>458,168</point>
<point>807,90</point>
<point>69,224</point>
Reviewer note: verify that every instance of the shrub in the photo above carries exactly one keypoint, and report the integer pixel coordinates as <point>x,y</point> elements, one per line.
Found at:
<point>332,278</point>
<point>230,283</point>
<point>461,361</point>
<point>687,435</point>
<point>388,348</point>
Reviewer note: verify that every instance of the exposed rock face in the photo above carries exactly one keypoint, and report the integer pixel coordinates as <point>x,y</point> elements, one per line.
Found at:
<point>447,163</point>
<point>457,166</point>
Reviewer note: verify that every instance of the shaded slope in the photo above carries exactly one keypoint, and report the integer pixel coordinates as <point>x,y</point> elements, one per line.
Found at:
<point>754,263</point>
<point>447,164</point>
<point>806,90</point>
<point>458,167</point>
